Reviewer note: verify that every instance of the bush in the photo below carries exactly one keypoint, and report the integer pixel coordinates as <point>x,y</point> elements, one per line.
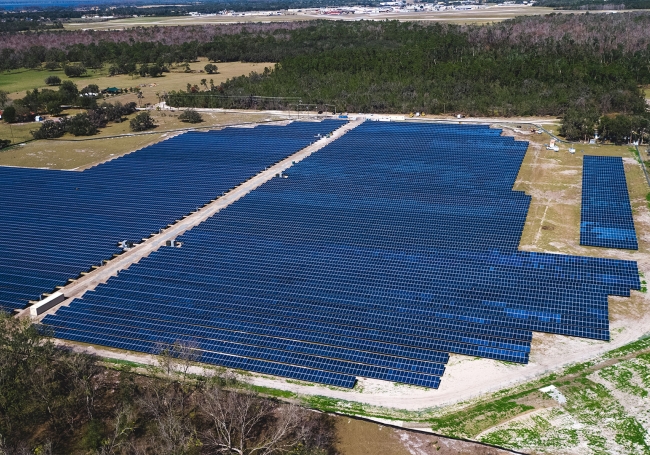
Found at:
<point>155,71</point>
<point>4,143</point>
<point>190,116</point>
<point>142,122</point>
<point>50,129</point>
<point>122,68</point>
<point>53,80</point>
<point>579,124</point>
<point>92,88</point>
<point>80,125</point>
<point>87,102</point>
<point>74,70</point>
<point>23,114</point>
<point>9,115</point>
<point>53,108</point>
<point>211,68</point>
<point>68,92</point>
<point>52,66</point>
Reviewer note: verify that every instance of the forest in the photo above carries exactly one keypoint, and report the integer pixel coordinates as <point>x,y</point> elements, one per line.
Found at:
<point>56,401</point>
<point>595,5</point>
<point>582,66</point>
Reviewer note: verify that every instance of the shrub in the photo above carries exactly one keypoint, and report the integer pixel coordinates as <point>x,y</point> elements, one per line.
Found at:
<point>68,92</point>
<point>53,80</point>
<point>142,122</point>
<point>52,66</point>
<point>50,129</point>
<point>190,116</point>
<point>74,70</point>
<point>23,114</point>
<point>9,115</point>
<point>92,88</point>
<point>579,124</point>
<point>53,108</point>
<point>4,143</point>
<point>155,71</point>
<point>211,68</point>
<point>80,125</point>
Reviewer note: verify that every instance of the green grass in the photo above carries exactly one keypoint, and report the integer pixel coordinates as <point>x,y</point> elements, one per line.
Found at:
<point>268,391</point>
<point>540,432</point>
<point>482,416</point>
<point>621,375</point>
<point>25,79</point>
<point>18,132</point>
<point>121,362</point>
<point>17,82</point>
<point>636,346</point>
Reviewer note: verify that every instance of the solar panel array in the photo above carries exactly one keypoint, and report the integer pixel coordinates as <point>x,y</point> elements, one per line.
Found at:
<point>56,224</point>
<point>606,214</point>
<point>376,257</point>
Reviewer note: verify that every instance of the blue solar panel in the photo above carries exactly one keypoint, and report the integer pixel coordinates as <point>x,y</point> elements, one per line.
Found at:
<point>56,224</point>
<point>606,214</point>
<point>376,257</point>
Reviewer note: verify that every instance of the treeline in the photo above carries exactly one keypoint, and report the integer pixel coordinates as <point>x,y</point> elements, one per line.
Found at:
<point>402,67</point>
<point>526,66</point>
<point>55,401</point>
<point>583,124</point>
<point>48,101</point>
<point>595,5</point>
<point>13,25</point>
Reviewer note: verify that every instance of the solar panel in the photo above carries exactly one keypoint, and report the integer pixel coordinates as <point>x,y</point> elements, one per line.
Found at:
<point>606,215</point>
<point>56,224</point>
<point>377,256</point>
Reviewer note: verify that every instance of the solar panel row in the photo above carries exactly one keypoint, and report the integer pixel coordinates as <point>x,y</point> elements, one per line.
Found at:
<point>56,224</point>
<point>379,255</point>
<point>606,214</point>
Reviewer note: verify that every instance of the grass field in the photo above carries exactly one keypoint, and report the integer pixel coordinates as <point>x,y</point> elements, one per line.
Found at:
<point>485,15</point>
<point>17,82</point>
<point>70,152</point>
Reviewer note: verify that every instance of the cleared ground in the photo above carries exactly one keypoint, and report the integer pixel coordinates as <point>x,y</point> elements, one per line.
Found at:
<point>358,437</point>
<point>484,15</point>
<point>17,82</point>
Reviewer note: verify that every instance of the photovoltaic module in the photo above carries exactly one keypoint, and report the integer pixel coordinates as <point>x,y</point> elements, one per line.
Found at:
<point>375,257</point>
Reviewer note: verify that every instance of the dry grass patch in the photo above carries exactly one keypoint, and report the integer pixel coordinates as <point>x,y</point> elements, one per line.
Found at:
<point>72,152</point>
<point>19,81</point>
<point>66,154</point>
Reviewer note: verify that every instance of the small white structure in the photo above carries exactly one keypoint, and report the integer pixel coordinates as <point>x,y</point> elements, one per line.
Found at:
<point>554,393</point>
<point>43,305</point>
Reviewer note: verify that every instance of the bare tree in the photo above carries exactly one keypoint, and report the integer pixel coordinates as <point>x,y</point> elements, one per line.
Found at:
<point>177,357</point>
<point>166,405</point>
<point>124,426</point>
<point>82,371</point>
<point>245,424</point>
